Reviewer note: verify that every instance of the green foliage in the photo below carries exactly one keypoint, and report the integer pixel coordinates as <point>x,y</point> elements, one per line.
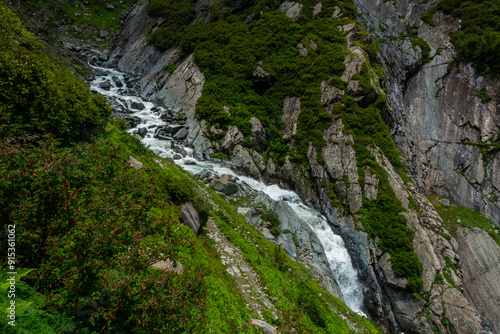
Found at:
<point>229,50</point>
<point>427,17</point>
<point>273,219</point>
<point>32,313</point>
<point>219,155</point>
<point>478,40</point>
<point>97,17</point>
<point>36,96</point>
<point>485,97</point>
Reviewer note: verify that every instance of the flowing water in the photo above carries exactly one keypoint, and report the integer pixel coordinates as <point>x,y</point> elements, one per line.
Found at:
<point>336,253</point>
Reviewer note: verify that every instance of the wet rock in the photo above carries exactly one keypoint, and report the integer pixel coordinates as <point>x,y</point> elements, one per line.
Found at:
<point>173,128</point>
<point>388,275</point>
<point>106,85</point>
<point>181,134</point>
<point>142,132</point>
<point>137,105</point>
<point>177,156</point>
<point>242,159</point>
<point>191,217</point>
<point>224,186</point>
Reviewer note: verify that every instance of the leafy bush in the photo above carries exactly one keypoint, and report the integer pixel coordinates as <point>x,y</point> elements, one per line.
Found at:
<point>478,39</point>
<point>273,219</point>
<point>91,223</point>
<point>36,96</point>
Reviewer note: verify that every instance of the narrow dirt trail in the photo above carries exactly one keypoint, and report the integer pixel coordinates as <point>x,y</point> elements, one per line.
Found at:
<point>247,280</point>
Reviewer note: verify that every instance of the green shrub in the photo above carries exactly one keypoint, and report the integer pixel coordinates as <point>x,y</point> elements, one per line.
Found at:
<point>478,40</point>
<point>37,97</point>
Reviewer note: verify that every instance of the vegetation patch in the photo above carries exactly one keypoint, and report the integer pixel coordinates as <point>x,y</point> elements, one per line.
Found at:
<point>459,216</point>
<point>478,39</point>
<point>228,51</point>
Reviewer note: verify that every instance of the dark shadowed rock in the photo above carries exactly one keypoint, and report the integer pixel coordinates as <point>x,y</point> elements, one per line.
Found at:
<point>190,217</point>
<point>142,132</point>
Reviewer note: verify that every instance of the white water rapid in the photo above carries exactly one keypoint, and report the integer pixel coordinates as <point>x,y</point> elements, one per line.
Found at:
<point>338,258</point>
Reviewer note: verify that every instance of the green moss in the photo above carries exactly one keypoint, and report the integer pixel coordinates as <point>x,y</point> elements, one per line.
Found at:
<point>219,155</point>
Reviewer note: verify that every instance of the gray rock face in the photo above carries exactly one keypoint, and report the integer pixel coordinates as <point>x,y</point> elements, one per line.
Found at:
<point>190,217</point>
<point>142,132</point>
<point>243,160</point>
<point>291,111</point>
<point>480,256</point>
<point>291,9</point>
<point>181,134</point>
<point>435,111</point>
<point>232,138</point>
<point>258,133</point>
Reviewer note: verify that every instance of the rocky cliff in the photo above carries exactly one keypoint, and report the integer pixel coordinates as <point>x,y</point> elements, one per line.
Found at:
<point>436,117</point>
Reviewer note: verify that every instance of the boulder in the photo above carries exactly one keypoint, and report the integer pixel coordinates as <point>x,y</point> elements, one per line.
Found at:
<point>173,128</point>
<point>168,265</point>
<point>106,85</point>
<point>103,34</point>
<point>232,138</point>
<point>134,163</point>
<point>191,217</point>
<point>258,133</point>
<point>142,132</point>
<point>109,6</point>
<point>137,105</point>
<point>224,186</point>
<point>181,134</point>
<point>263,326</point>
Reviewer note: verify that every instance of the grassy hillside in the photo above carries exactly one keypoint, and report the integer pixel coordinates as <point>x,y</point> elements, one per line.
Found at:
<point>89,227</point>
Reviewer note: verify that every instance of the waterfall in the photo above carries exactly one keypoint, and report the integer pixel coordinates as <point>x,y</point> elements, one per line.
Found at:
<point>337,255</point>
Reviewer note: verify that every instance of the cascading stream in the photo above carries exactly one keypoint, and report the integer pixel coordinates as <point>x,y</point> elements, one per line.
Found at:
<point>337,255</point>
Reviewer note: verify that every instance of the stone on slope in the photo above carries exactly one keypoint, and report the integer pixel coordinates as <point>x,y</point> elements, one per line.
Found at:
<point>190,217</point>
